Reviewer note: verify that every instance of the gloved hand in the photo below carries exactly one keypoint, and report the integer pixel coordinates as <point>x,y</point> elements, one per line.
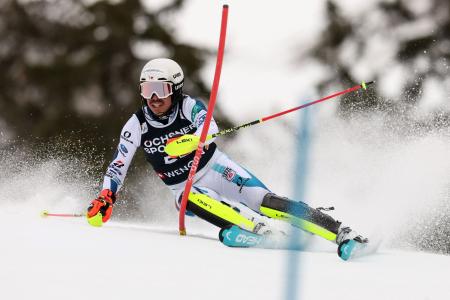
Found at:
<point>100,209</point>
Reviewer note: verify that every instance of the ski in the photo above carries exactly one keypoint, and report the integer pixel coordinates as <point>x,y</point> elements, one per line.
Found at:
<point>235,236</point>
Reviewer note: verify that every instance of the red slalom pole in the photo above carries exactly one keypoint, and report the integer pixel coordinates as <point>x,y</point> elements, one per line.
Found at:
<point>212,103</point>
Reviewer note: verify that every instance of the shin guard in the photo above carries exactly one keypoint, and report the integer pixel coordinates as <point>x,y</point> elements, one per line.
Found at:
<point>217,213</point>
<point>300,215</point>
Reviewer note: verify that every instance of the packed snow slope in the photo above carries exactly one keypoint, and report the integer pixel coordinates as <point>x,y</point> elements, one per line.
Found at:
<point>387,186</point>
<point>67,259</point>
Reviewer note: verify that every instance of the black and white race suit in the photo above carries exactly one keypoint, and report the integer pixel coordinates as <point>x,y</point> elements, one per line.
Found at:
<point>216,175</point>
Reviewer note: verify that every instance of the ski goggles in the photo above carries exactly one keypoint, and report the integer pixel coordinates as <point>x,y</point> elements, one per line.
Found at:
<point>162,89</point>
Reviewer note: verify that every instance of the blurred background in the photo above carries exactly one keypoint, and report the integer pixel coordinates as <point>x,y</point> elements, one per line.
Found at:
<point>69,82</point>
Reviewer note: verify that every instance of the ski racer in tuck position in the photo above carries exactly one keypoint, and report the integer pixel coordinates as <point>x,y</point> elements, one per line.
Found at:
<point>220,182</point>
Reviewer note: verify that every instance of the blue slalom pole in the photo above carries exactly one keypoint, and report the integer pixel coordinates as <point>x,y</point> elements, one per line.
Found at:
<point>301,170</point>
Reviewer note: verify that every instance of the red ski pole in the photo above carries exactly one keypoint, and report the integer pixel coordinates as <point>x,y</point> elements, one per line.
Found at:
<point>69,215</point>
<point>188,142</point>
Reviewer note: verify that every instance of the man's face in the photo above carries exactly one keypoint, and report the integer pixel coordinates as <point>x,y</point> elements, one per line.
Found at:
<point>159,106</point>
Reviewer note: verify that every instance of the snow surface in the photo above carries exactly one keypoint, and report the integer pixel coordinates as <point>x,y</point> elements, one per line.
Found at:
<point>67,259</point>
<point>381,186</point>
<point>381,182</point>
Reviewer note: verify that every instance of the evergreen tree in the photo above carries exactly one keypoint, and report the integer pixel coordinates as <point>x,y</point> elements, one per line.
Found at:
<point>73,66</point>
<point>410,38</point>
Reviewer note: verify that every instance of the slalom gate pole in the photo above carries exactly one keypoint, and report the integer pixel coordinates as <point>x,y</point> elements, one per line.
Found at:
<point>363,85</point>
<point>212,102</point>
<point>68,215</point>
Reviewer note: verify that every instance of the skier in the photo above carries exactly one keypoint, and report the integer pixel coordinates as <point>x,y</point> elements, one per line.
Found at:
<point>220,182</point>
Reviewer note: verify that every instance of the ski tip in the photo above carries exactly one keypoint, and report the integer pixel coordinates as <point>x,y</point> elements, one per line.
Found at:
<point>225,6</point>
<point>44,214</point>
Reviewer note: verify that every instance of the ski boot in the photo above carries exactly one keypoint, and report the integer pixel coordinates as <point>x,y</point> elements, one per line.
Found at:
<point>265,226</point>
<point>349,241</point>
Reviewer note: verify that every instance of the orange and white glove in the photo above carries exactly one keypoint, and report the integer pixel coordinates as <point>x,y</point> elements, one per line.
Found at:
<point>100,209</point>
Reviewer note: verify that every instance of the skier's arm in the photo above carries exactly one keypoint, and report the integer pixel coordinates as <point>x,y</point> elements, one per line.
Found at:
<point>196,111</point>
<point>130,139</point>
<point>100,209</point>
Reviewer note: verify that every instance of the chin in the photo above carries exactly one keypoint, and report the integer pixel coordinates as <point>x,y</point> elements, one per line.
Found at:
<point>158,113</point>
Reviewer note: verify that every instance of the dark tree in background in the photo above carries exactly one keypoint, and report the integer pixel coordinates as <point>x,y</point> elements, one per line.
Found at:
<point>69,81</point>
<point>71,67</point>
<point>401,44</point>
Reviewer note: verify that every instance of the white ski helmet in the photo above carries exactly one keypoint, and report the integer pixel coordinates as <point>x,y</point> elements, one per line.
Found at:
<point>167,70</point>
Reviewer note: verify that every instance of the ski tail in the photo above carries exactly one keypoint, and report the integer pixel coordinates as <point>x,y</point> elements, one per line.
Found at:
<point>235,236</point>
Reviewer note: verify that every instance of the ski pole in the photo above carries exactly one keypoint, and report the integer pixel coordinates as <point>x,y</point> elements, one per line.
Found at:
<point>187,143</point>
<point>45,214</point>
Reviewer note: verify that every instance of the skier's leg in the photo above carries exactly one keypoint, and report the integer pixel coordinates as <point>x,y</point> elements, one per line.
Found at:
<point>234,183</point>
<point>300,215</point>
<point>207,205</point>
<point>239,188</point>
<point>307,218</point>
